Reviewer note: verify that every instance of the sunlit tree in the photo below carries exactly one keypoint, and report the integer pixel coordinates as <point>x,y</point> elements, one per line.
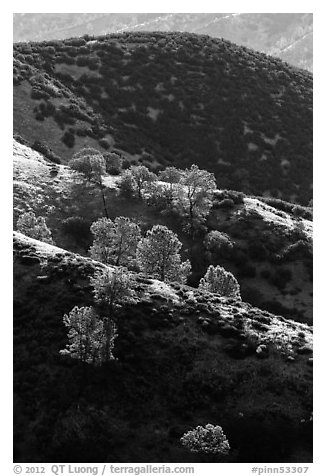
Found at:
<point>91,164</point>
<point>194,199</point>
<point>135,180</point>
<point>91,338</point>
<point>170,175</point>
<point>34,227</point>
<point>115,241</point>
<point>158,255</point>
<point>218,280</point>
<point>112,288</point>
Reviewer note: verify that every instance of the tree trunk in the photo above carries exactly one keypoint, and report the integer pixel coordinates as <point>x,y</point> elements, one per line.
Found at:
<point>191,219</point>
<point>104,203</point>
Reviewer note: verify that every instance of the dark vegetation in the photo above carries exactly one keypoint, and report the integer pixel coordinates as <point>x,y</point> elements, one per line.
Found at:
<point>270,33</point>
<point>179,364</point>
<point>177,98</point>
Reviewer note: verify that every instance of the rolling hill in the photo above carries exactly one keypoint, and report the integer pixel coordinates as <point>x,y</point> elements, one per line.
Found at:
<point>183,358</point>
<point>285,35</point>
<point>171,99</point>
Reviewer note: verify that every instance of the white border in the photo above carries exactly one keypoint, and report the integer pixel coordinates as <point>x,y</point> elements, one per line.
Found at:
<point>319,177</point>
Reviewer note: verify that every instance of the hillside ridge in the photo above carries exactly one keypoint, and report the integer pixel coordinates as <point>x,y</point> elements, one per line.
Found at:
<point>171,99</point>
<point>270,33</point>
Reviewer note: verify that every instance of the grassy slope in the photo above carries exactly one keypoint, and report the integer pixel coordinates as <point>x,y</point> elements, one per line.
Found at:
<point>175,98</point>
<point>185,358</point>
<point>56,193</point>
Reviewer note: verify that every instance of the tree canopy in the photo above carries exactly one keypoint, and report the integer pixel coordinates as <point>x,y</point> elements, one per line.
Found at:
<point>158,255</point>
<point>135,180</point>
<point>34,227</point>
<point>115,241</point>
<point>218,280</point>
<point>194,198</point>
<point>91,164</point>
<point>91,338</point>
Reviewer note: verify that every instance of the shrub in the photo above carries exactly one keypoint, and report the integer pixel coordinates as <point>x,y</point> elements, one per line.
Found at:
<point>221,195</point>
<point>226,203</point>
<point>104,143</point>
<point>68,138</point>
<point>217,242</point>
<point>301,249</point>
<point>34,227</point>
<point>209,439</point>
<point>113,163</point>
<point>46,151</point>
<point>218,280</point>
<point>38,93</point>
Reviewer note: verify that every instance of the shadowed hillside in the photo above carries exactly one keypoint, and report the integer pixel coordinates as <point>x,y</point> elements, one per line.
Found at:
<point>184,358</point>
<point>165,99</point>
